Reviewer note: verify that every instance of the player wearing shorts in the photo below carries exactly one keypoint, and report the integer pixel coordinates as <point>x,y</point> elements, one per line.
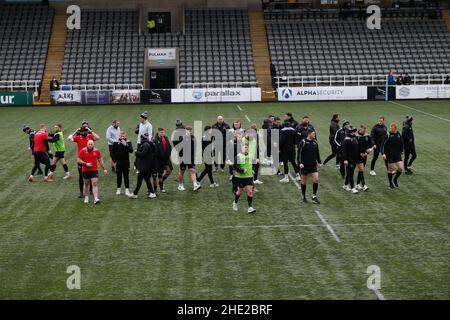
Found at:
<point>392,152</point>
<point>163,164</point>
<point>350,155</point>
<point>244,178</point>
<point>57,139</point>
<point>365,148</point>
<point>408,142</point>
<point>88,158</point>
<point>338,140</point>
<point>187,156</point>
<point>308,159</point>
<point>378,134</point>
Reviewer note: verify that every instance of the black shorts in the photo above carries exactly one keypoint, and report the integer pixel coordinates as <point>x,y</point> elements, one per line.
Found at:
<point>183,166</point>
<point>161,165</point>
<point>243,182</point>
<point>90,174</point>
<point>394,158</point>
<point>41,157</point>
<point>361,160</point>
<point>59,154</point>
<point>308,170</point>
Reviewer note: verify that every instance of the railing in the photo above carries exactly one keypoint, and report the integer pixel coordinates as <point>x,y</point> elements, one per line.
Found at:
<point>353,80</point>
<point>100,87</point>
<point>21,85</point>
<point>240,84</point>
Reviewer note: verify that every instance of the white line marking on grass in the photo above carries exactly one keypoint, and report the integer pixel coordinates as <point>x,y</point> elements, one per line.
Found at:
<point>295,182</point>
<point>378,294</point>
<point>328,226</point>
<point>321,225</point>
<point>248,119</point>
<point>239,107</point>
<point>273,226</point>
<point>379,224</point>
<point>426,113</point>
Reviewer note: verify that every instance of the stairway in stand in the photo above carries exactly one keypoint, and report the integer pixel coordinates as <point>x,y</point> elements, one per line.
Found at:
<point>55,55</point>
<point>261,56</point>
<point>446,17</point>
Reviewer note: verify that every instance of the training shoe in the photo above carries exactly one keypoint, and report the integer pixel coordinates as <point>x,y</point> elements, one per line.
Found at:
<point>197,186</point>
<point>31,179</point>
<point>395,182</point>
<point>152,196</point>
<point>258,182</point>
<point>346,187</point>
<point>373,173</point>
<point>118,192</point>
<point>251,210</point>
<point>48,179</point>
<point>163,190</point>
<point>235,206</point>
<point>338,167</point>
<point>97,201</point>
<point>391,186</point>
<point>354,190</point>
<point>284,180</point>
<point>358,187</point>
<point>67,176</point>
<point>181,187</point>
<point>86,199</point>
<point>305,200</point>
<point>132,196</point>
<point>127,192</point>
<point>213,185</point>
<point>315,200</point>
<point>365,188</point>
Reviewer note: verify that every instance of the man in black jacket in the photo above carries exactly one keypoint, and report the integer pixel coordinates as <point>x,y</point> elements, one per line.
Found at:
<point>144,163</point>
<point>288,142</point>
<point>186,151</point>
<point>120,152</point>
<point>223,127</point>
<point>392,152</point>
<point>26,129</point>
<point>268,126</point>
<point>208,156</point>
<point>163,165</point>
<point>338,140</point>
<point>365,147</point>
<point>408,142</point>
<point>308,158</point>
<point>350,155</point>
<point>303,128</point>
<point>334,127</point>
<point>378,134</point>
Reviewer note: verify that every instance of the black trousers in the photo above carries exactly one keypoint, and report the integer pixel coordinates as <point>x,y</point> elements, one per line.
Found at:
<point>123,170</point>
<point>143,176</point>
<point>349,174</point>
<point>340,161</point>
<point>410,152</point>
<point>41,157</point>
<point>255,170</point>
<point>207,171</point>
<point>289,156</point>
<point>376,153</point>
<point>334,152</point>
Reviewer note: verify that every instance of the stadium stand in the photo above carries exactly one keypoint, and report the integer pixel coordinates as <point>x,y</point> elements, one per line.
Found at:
<point>24,34</point>
<point>108,49</point>
<point>321,42</point>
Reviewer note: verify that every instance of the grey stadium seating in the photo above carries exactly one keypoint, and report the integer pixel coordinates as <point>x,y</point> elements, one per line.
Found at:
<point>24,35</point>
<point>319,43</point>
<point>108,49</point>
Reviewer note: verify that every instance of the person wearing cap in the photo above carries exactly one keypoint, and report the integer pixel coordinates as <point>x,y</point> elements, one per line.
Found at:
<point>144,163</point>
<point>334,127</point>
<point>112,136</point>
<point>338,140</point>
<point>350,155</point>
<point>57,138</point>
<point>26,129</point>
<point>378,134</point>
<point>392,150</point>
<point>308,159</point>
<point>88,158</point>
<point>223,127</point>
<point>179,124</point>
<point>365,148</point>
<point>408,142</point>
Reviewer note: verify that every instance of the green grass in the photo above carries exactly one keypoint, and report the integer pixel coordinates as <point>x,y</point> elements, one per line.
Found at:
<point>177,246</point>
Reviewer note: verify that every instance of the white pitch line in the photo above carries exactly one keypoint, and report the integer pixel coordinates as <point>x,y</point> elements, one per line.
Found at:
<point>321,225</point>
<point>426,113</point>
<point>272,226</point>
<point>328,226</point>
<point>239,107</point>
<point>248,119</point>
<point>295,182</point>
<point>379,294</point>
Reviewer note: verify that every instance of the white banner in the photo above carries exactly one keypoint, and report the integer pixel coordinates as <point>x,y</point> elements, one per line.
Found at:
<point>423,92</point>
<point>216,95</point>
<point>162,54</point>
<point>65,97</point>
<point>322,93</point>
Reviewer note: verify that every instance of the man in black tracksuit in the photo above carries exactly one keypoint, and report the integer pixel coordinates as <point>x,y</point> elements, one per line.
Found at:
<point>365,147</point>
<point>163,165</point>
<point>308,158</point>
<point>223,127</point>
<point>392,150</point>
<point>208,157</point>
<point>120,152</point>
<point>378,134</point>
<point>288,142</point>
<point>26,129</point>
<point>334,127</point>
<point>268,126</point>
<point>408,142</point>
<point>144,163</point>
<point>350,155</point>
<point>338,140</point>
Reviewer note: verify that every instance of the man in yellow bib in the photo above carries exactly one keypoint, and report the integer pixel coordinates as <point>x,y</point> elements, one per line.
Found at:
<point>244,177</point>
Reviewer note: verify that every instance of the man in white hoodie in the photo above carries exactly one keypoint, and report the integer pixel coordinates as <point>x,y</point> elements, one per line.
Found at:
<point>112,135</point>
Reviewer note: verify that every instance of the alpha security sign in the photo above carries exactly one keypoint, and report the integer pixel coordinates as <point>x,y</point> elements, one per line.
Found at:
<point>216,95</point>
<point>322,93</point>
<point>162,54</point>
<point>423,92</point>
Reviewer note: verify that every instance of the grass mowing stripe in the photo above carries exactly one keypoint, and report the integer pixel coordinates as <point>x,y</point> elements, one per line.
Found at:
<point>426,113</point>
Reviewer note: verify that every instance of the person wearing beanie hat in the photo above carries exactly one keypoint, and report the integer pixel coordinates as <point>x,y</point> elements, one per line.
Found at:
<point>350,154</point>
<point>334,127</point>
<point>26,129</point>
<point>408,142</point>
<point>338,140</point>
<point>378,134</point>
